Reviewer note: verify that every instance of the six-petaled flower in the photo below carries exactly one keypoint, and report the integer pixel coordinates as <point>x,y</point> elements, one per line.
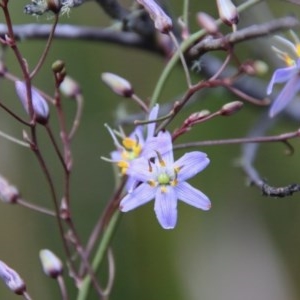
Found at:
<point>164,180</point>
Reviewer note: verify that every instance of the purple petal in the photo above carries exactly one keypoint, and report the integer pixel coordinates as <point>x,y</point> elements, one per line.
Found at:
<point>138,134</point>
<point>139,196</point>
<point>165,207</point>
<point>139,170</point>
<point>190,195</point>
<point>151,126</point>
<point>280,76</point>
<point>190,164</point>
<point>286,95</point>
<point>162,143</point>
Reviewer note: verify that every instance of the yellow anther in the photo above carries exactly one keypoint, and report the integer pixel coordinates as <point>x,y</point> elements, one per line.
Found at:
<point>123,165</point>
<point>152,183</point>
<point>288,60</point>
<point>129,143</point>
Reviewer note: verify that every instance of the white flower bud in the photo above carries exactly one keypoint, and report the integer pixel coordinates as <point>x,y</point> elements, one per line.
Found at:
<point>69,87</point>
<point>39,104</point>
<point>12,279</point>
<point>52,265</point>
<point>162,21</point>
<point>118,84</point>
<point>8,192</point>
<point>231,108</point>
<point>228,12</point>
<point>207,22</point>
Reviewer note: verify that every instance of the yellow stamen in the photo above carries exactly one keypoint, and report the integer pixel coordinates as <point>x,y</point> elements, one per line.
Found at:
<point>288,60</point>
<point>152,183</point>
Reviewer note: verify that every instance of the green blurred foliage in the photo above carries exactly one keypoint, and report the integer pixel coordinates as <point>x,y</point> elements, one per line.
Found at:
<point>246,247</point>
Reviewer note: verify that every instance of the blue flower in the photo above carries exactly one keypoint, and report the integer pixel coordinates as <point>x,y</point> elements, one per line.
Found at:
<point>164,180</point>
<point>289,74</point>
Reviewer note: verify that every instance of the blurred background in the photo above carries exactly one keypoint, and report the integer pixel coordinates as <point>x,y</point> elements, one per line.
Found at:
<point>246,247</point>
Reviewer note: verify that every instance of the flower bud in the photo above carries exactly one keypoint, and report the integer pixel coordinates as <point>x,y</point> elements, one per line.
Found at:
<point>69,87</point>
<point>12,279</point>
<point>162,22</point>
<point>228,12</point>
<point>8,192</point>
<point>118,84</point>
<point>52,265</point>
<point>231,108</point>
<point>39,104</point>
<point>58,66</point>
<point>207,22</point>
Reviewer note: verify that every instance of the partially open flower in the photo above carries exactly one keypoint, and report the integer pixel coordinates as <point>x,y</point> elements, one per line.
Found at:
<point>12,279</point>
<point>39,104</point>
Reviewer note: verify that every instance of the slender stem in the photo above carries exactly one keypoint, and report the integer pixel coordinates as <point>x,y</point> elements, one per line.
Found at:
<point>14,115</point>
<point>26,296</point>
<point>63,289</point>
<point>183,61</point>
<point>260,139</point>
<point>185,13</point>
<point>102,248</point>
<point>47,48</point>
<point>49,131</point>
<point>76,122</point>
<point>14,140</point>
<point>34,207</point>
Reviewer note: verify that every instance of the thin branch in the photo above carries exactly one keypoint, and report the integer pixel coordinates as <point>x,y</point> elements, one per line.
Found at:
<point>242,35</point>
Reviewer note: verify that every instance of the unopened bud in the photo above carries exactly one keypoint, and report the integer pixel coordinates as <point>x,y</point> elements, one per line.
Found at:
<point>69,87</point>
<point>8,192</point>
<point>118,84</point>
<point>207,22</point>
<point>260,67</point>
<point>231,108</point>
<point>228,12</point>
<point>58,66</point>
<point>39,104</point>
<point>194,117</point>
<point>162,22</point>
<point>52,265</point>
<point>12,279</point>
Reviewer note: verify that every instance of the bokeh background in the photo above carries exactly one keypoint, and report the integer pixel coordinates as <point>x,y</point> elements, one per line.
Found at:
<point>246,247</point>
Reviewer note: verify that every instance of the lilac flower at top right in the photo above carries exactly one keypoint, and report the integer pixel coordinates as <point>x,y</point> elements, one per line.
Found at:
<point>290,75</point>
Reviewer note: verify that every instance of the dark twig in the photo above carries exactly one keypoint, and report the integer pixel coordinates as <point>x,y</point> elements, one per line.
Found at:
<point>242,35</point>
